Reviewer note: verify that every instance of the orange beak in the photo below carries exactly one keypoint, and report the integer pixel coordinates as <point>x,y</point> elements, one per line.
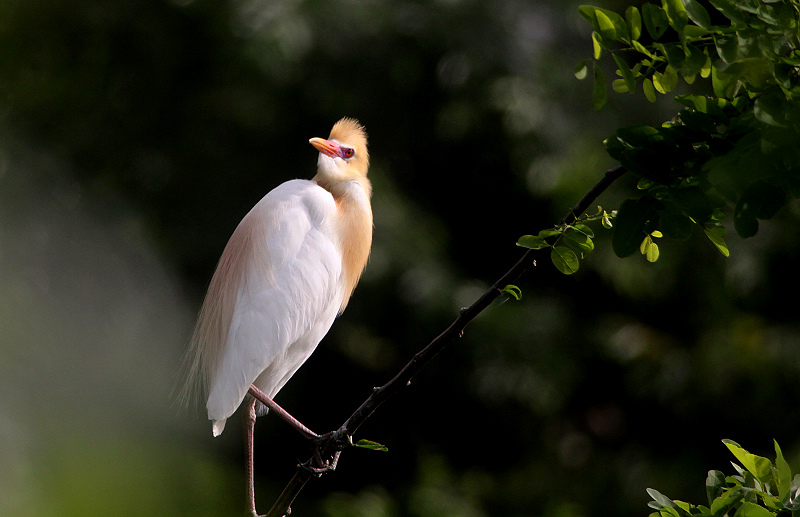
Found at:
<point>325,146</point>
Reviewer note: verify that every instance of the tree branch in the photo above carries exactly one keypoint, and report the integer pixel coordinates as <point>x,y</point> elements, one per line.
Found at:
<point>338,440</point>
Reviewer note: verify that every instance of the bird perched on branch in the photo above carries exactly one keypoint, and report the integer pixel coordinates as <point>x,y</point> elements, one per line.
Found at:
<point>287,271</point>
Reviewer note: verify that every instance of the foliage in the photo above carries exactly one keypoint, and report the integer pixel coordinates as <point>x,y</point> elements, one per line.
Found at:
<point>568,242</point>
<point>733,146</point>
<point>760,489</point>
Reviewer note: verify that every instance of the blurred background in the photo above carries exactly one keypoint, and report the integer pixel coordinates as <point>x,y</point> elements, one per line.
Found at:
<point>135,134</point>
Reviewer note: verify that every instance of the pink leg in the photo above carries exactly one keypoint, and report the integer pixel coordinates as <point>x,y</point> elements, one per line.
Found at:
<point>262,397</point>
<point>249,462</point>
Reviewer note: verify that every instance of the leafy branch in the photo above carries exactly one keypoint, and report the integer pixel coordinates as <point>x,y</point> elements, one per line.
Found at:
<point>760,488</point>
<point>735,150</point>
<point>326,452</point>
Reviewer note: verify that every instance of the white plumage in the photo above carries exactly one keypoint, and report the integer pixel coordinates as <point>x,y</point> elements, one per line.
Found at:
<point>287,271</point>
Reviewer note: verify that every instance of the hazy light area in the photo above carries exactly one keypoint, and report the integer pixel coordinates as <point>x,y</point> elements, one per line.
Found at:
<point>92,325</point>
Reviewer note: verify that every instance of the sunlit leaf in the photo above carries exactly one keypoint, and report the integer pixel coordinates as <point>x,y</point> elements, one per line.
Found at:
<point>782,473</point>
<point>758,466</point>
<point>627,75</point>
<point>667,81</point>
<point>634,19</point>
<point>748,509</point>
<point>676,13</point>
<point>564,259</point>
<point>605,26</point>
<point>513,291</point>
<point>581,70</point>
<point>533,242</point>
<point>597,45</point>
<point>580,241</point>
<point>619,86</point>
<point>726,500</point>
<point>649,90</point>
<point>369,444</point>
<point>716,234</point>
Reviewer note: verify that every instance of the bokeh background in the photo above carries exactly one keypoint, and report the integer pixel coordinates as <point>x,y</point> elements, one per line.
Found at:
<point>134,135</point>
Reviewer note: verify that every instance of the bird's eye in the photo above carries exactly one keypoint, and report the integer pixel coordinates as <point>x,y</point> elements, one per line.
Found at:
<point>347,152</point>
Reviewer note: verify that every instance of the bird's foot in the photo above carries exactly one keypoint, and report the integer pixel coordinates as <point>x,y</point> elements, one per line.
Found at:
<point>317,466</point>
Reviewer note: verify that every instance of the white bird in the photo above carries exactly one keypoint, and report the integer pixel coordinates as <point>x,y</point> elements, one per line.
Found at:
<point>287,271</point>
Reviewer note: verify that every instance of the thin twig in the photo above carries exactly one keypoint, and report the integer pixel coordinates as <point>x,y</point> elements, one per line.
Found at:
<point>340,438</point>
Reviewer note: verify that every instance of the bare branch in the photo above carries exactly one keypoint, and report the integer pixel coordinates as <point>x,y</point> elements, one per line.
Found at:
<point>336,441</point>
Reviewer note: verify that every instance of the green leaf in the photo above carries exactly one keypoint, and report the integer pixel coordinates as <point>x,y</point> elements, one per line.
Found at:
<point>634,19</point>
<point>748,509</point>
<point>698,14</point>
<point>726,500</point>
<point>716,234</point>
<point>600,93</point>
<point>758,466</point>
<point>564,259</point>
<point>694,62</point>
<point>715,484</point>
<point>649,90</point>
<point>644,50</point>
<point>655,20</point>
<point>676,13</point>
<point>727,46</point>
<point>627,74</point>
<point>725,84</point>
<point>597,45</point>
<point>667,81</point>
<point>782,474</point>
<point>770,110</point>
<point>606,221</point>
<point>579,241</point>
<point>369,444</point>
<point>582,228</point>
<point>649,249</point>
<point>581,70</point>
<point>534,242</point>
<point>513,291</point>
<point>605,26</point>
<point>608,24</point>
<point>630,224</point>
<point>619,86</point>
<point>693,31</point>
<point>730,10</point>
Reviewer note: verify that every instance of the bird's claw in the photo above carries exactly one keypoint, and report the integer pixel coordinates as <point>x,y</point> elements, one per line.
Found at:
<point>328,465</point>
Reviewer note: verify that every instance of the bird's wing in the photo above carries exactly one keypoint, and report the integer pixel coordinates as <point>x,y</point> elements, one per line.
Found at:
<point>277,278</point>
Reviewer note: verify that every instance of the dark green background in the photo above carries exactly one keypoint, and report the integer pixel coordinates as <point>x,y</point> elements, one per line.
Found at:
<point>134,134</point>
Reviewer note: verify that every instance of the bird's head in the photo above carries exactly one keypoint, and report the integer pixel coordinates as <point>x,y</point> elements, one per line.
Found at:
<point>343,156</point>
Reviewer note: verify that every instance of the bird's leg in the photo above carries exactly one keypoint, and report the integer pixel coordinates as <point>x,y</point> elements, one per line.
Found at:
<point>249,460</point>
<point>262,397</point>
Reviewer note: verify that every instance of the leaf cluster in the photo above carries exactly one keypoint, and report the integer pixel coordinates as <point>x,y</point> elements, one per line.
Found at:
<point>568,243</point>
<point>760,488</point>
<point>738,148</point>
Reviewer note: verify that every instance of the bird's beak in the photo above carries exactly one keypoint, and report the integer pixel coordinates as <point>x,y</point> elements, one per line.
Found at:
<point>325,146</point>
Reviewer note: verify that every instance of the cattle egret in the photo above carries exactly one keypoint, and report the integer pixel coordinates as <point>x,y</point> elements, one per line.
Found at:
<point>287,271</point>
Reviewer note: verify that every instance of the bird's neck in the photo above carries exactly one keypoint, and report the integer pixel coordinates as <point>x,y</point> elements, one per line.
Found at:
<point>354,223</point>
